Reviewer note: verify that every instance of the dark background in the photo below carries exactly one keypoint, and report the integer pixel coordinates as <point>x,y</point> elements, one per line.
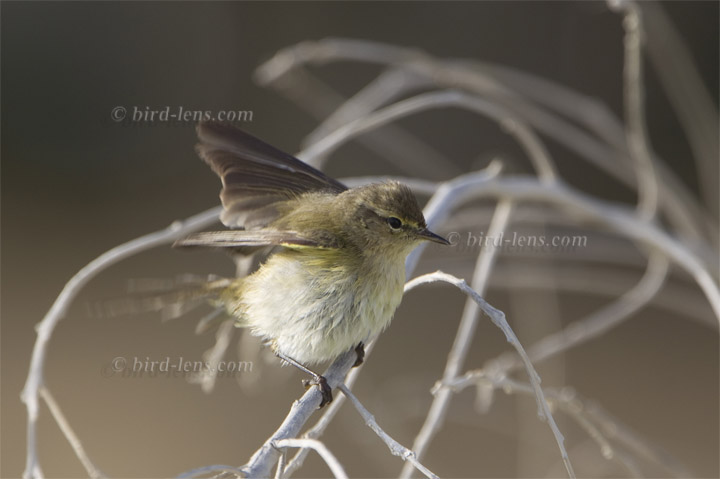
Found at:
<point>75,184</point>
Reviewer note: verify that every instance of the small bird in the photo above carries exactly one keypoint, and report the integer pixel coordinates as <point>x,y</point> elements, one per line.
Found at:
<point>336,271</point>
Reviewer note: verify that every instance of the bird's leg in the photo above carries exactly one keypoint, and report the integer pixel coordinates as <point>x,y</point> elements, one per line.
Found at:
<point>317,380</point>
<point>360,351</point>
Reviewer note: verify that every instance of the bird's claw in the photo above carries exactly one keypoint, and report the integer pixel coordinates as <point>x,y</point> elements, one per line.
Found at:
<point>360,351</point>
<point>323,386</point>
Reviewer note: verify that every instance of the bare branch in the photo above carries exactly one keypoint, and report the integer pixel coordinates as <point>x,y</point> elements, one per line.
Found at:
<point>395,447</point>
<point>681,207</point>
<point>498,318</point>
<point>318,447</point>
<point>513,123</point>
<point>598,322</point>
<point>600,427</point>
<point>617,218</point>
<point>262,462</point>
<point>636,129</point>
<point>69,434</point>
<point>319,428</point>
<point>217,471</point>
<point>35,379</point>
<point>696,111</point>
<point>463,338</point>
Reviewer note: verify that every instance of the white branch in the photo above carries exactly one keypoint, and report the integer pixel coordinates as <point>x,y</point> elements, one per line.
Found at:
<point>636,128</point>
<point>217,468</point>
<point>597,323</point>
<point>35,379</point>
<point>464,336</point>
<point>448,197</point>
<point>327,456</point>
<point>617,218</point>
<point>681,207</point>
<point>69,434</point>
<point>697,113</point>
<point>262,462</point>
<point>514,125</point>
<point>395,447</point>
<point>498,318</point>
<point>599,426</point>
<point>319,428</point>
<point>481,89</point>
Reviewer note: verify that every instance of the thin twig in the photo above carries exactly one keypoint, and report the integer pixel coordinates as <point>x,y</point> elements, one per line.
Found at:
<point>636,129</point>
<point>463,338</point>
<point>262,462</point>
<point>282,462</point>
<point>498,318</point>
<point>393,143</point>
<point>697,113</point>
<point>322,450</point>
<point>515,126</point>
<point>45,328</point>
<point>69,434</point>
<point>614,429</point>
<point>448,197</point>
<point>601,428</point>
<point>212,357</point>
<point>598,322</point>
<point>395,447</point>
<point>217,468</point>
<point>318,429</point>
<point>617,218</point>
<point>466,75</point>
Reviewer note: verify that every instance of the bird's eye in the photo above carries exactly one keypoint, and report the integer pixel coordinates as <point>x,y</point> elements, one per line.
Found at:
<point>394,223</point>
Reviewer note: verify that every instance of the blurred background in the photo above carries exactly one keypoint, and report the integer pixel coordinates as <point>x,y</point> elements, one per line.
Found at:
<point>76,183</point>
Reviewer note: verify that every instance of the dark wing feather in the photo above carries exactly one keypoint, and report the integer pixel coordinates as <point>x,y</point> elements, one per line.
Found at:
<point>256,177</point>
<point>252,239</point>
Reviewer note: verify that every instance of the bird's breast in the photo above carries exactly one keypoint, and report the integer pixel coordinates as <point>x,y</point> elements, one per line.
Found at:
<point>314,307</point>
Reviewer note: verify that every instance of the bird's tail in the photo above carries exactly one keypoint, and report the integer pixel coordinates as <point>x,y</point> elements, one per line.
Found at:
<point>172,298</point>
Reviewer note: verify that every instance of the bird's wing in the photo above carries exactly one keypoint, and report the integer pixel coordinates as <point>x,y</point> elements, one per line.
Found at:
<point>243,239</point>
<point>256,177</point>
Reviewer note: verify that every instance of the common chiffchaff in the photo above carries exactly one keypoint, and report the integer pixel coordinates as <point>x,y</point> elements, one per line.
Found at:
<point>336,273</point>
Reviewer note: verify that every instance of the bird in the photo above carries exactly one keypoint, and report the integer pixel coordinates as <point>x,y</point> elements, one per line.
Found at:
<point>336,266</point>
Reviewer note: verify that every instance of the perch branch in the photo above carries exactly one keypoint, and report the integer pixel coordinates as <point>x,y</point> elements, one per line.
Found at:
<point>262,462</point>
<point>318,429</point>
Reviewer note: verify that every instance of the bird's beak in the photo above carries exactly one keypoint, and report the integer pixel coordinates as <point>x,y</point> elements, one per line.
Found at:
<point>426,234</point>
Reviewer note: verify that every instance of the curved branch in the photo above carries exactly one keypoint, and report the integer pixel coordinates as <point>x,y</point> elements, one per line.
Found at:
<point>322,450</point>
<point>464,336</point>
<point>498,318</point>
<point>395,447</point>
<point>45,328</point>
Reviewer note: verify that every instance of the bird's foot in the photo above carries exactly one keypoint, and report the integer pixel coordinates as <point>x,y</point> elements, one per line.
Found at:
<point>323,386</point>
<point>360,351</point>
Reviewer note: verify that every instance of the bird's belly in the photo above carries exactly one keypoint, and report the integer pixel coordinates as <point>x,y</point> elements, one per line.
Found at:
<point>315,314</point>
